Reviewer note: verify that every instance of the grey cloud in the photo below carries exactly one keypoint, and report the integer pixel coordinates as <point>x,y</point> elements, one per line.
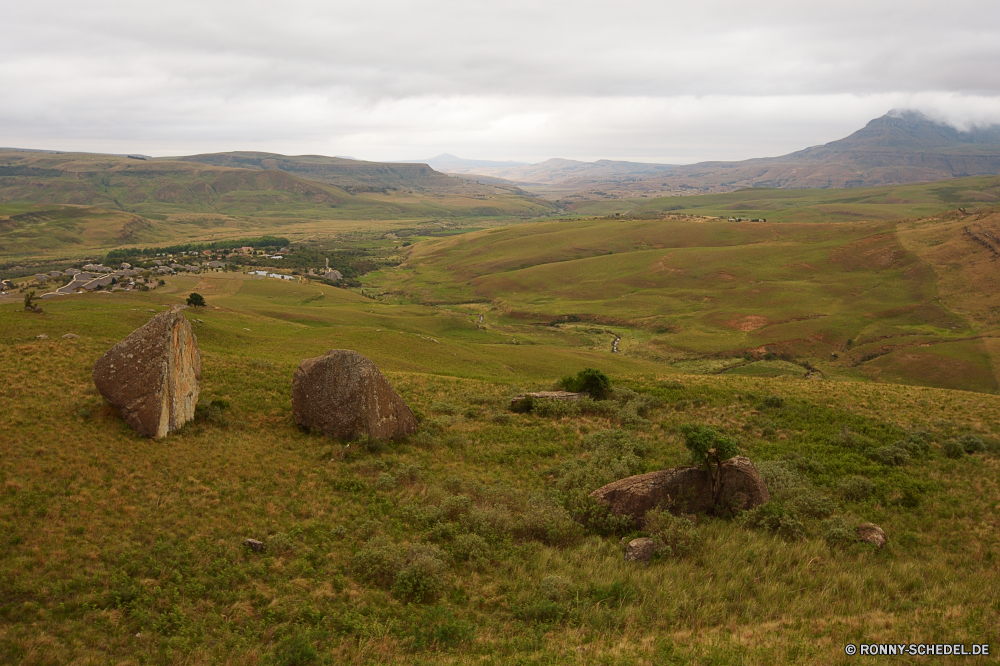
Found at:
<point>330,75</point>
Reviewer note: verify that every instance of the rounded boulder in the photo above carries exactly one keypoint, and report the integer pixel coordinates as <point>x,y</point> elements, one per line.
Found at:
<point>343,395</point>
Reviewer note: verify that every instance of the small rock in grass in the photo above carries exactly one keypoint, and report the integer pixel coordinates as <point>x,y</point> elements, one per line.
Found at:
<point>871,533</point>
<point>70,336</point>
<point>254,545</point>
<point>640,550</point>
<point>42,337</point>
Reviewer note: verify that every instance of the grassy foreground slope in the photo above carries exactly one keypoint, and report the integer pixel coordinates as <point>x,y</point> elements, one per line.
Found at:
<point>911,302</point>
<point>461,544</point>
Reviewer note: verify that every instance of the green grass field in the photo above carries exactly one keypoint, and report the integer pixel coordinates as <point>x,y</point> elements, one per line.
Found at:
<point>124,550</point>
<point>849,299</point>
<point>856,363</point>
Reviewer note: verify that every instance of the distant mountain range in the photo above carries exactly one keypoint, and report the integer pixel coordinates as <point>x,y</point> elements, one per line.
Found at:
<point>902,146</point>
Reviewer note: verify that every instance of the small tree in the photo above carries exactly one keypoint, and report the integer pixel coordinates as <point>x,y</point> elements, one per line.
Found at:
<point>709,448</point>
<point>196,300</point>
<point>29,299</point>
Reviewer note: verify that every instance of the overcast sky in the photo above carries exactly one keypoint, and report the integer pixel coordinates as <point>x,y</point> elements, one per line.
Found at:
<point>653,81</point>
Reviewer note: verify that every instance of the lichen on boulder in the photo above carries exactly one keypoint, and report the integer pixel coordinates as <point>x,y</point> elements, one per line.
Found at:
<point>685,490</point>
<point>152,377</point>
<point>343,395</point>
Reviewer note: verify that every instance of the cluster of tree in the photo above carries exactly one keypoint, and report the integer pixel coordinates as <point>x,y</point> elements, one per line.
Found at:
<point>258,243</point>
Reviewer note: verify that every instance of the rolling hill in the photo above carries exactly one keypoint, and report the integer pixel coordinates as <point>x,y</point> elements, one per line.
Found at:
<point>903,146</point>
<point>906,301</point>
<point>69,203</point>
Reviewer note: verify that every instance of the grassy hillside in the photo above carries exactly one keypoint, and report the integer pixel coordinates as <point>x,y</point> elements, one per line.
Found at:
<point>120,201</point>
<point>354,175</point>
<point>851,300</point>
<point>120,549</point>
<point>814,205</point>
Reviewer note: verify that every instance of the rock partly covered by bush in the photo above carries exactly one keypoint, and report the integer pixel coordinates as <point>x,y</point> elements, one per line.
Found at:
<point>153,376</point>
<point>686,489</point>
<point>343,395</point>
<point>525,401</point>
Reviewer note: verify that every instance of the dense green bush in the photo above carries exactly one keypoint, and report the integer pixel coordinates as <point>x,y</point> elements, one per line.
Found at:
<point>780,475</point>
<point>675,536</point>
<point>774,517</point>
<point>839,533</point>
<point>893,456</point>
<point>591,381</point>
<point>972,443</point>
<point>422,577</point>
<point>953,448</point>
<point>414,572</point>
<point>470,548</point>
<point>856,488</point>
<point>378,561</point>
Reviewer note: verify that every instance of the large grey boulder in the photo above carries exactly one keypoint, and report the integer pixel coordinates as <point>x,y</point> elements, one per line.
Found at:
<point>685,490</point>
<point>343,395</point>
<point>153,376</point>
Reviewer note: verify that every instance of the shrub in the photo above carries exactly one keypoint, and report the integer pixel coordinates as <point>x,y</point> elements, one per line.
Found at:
<point>523,406</point>
<point>385,481</point>
<point>547,522</point>
<point>856,488</point>
<point>812,504</point>
<point>295,651</point>
<point>213,413</point>
<point>555,408</point>
<point>455,506</point>
<point>953,448</point>
<point>971,443</point>
<point>917,442</point>
<point>778,475</point>
<point>555,588</point>
<point>851,440</point>
<point>196,300</point>
<point>617,593</point>
<point>422,578</point>
<point>408,474</point>
<point>589,380</point>
<point>540,611</point>
<point>444,408</point>
<point>470,548</point>
<point>771,402</point>
<point>675,536</point>
<point>774,517</point>
<point>378,562</point>
<point>493,523</point>
<point>437,627</point>
<point>615,454</point>
<point>893,456</point>
<point>839,533</point>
